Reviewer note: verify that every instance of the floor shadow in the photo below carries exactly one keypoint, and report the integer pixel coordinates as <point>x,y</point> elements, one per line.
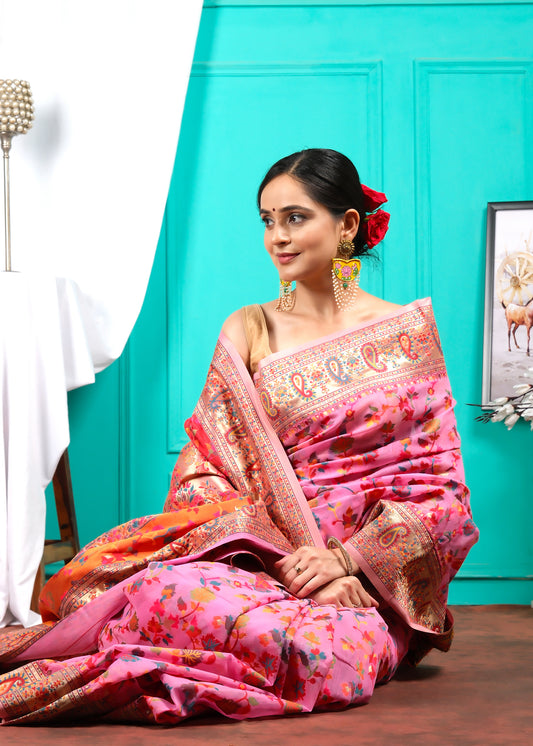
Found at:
<point>420,673</point>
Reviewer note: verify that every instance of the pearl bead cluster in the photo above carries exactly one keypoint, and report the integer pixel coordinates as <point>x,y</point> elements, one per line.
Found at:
<point>287,296</point>
<point>345,293</point>
<point>16,107</point>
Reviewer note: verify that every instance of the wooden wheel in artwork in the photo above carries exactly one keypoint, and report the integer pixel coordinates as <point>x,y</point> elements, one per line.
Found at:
<point>514,278</point>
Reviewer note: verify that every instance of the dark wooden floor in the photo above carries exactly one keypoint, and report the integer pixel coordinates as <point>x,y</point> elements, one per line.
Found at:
<point>481,692</point>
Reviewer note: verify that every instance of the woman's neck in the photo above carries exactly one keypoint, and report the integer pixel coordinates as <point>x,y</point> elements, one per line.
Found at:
<point>318,302</point>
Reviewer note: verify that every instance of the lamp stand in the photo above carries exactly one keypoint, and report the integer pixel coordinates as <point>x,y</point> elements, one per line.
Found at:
<point>6,147</point>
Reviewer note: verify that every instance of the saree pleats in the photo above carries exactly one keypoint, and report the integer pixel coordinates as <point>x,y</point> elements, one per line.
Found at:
<point>210,636</point>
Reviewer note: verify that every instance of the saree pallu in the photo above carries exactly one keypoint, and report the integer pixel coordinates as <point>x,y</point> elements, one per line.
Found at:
<point>352,436</point>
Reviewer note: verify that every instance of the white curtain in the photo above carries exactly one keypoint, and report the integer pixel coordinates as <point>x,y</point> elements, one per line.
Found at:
<point>90,180</point>
<point>88,190</point>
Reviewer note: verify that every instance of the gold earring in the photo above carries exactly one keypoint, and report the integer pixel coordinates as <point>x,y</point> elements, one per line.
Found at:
<point>286,296</point>
<point>345,275</point>
<point>345,248</point>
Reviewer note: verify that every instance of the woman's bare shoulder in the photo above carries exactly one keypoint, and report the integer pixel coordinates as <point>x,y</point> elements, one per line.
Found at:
<point>375,307</point>
<point>233,328</point>
<point>385,306</point>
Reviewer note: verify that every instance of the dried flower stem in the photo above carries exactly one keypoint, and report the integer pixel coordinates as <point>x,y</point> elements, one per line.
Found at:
<point>510,409</point>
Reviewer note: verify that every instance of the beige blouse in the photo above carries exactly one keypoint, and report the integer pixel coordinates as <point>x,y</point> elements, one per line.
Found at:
<point>256,331</point>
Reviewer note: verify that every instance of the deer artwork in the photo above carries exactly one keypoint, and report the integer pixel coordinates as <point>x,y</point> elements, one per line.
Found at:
<point>516,316</point>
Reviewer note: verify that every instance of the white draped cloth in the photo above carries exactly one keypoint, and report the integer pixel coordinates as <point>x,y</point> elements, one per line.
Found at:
<point>44,351</point>
<point>88,189</point>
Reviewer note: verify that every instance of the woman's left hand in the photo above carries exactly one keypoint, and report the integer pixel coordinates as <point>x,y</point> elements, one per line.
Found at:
<point>309,568</point>
<point>345,593</point>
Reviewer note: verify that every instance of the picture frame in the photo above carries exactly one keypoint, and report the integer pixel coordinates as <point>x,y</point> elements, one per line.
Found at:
<point>508,298</point>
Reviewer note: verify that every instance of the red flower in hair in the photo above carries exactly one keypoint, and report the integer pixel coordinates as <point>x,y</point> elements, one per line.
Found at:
<point>376,226</point>
<point>373,199</point>
<point>376,223</point>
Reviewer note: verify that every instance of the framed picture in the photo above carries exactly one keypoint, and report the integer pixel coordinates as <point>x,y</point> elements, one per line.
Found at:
<point>507,350</point>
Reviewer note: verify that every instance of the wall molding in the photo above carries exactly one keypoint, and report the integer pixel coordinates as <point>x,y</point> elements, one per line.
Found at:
<point>423,71</point>
<point>174,346</point>
<point>488,576</point>
<point>124,436</point>
<point>353,3</point>
<point>284,69</point>
<point>371,69</point>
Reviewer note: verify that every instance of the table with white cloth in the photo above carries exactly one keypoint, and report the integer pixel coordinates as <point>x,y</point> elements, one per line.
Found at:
<point>45,350</point>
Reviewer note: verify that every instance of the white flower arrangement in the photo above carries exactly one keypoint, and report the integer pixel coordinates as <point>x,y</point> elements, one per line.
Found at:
<point>509,409</point>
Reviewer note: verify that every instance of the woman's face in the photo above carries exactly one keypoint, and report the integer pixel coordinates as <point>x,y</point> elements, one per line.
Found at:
<point>301,235</point>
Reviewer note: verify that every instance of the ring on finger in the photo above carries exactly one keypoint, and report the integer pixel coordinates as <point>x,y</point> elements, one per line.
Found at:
<point>298,570</point>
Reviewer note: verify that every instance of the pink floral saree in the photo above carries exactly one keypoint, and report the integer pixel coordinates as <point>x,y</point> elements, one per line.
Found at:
<point>174,615</point>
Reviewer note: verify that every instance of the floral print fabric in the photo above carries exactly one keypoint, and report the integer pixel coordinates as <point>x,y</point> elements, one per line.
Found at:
<point>369,441</point>
<point>208,636</point>
<point>366,418</point>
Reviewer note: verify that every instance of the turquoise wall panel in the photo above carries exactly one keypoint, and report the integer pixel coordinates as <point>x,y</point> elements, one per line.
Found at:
<point>215,235</point>
<point>94,454</point>
<point>473,125</point>
<point>433,101</point>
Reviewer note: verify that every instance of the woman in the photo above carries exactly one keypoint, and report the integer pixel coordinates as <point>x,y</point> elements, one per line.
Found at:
<point>315,518</point>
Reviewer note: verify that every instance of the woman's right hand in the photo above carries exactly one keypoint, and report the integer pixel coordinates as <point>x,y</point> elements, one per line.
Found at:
<point>344,593</point>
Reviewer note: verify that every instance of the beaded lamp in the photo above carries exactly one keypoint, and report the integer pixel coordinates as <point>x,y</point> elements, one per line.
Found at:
<point>16,118</point>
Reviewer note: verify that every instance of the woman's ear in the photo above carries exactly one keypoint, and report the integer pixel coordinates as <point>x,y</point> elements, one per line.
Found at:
<point>350,224</point>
